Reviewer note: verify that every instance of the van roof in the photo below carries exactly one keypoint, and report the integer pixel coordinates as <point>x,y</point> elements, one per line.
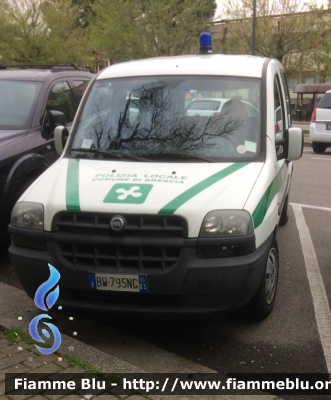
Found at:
<point>214,64</point>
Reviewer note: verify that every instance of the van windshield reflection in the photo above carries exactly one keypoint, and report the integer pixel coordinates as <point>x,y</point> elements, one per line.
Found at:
<point>172,118</point>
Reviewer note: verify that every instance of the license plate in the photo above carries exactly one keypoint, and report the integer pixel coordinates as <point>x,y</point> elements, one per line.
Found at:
<point>328,127</point>
<point>118,282</point>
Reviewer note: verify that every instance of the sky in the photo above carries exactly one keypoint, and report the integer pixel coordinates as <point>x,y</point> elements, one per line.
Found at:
<point>219,7</point>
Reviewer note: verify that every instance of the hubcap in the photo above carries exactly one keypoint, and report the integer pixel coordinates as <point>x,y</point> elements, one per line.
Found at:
<point>271,276</point>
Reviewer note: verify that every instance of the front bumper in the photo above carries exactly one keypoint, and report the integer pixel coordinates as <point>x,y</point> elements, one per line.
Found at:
<point>191,286</point>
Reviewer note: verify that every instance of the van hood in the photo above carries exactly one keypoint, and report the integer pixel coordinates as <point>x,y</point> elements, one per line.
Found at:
<point>8,136</point>
<point>187,189</point>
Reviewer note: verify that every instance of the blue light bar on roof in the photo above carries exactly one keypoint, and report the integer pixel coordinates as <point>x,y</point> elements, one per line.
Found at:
<point>205,43</point>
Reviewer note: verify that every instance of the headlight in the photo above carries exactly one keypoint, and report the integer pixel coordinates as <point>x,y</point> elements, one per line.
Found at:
<point>227,233</point>
<point>28,215</point>
<point>227,223</point>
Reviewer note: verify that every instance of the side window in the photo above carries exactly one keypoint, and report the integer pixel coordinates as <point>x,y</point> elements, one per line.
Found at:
<point>80,87</point>
<point>278,112</point>
<point>60,98</point>
<point>287,94</point>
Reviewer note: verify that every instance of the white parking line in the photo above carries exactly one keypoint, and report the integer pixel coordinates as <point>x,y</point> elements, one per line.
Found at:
<point>310,154</point>
<point>321,158</point>
<point>320,300</point>
<point>309,206</point>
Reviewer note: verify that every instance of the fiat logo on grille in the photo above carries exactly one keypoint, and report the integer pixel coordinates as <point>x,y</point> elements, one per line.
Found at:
<point>117,223</point>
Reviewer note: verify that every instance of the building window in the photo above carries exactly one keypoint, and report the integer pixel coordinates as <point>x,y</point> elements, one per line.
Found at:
<point>308,81</point>
<point>292,82</point>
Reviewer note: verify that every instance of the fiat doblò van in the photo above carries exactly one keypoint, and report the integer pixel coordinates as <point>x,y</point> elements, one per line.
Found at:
<point>154,209</point>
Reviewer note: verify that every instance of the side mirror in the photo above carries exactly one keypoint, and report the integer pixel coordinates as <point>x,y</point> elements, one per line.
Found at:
<point>60,137</point>
<point>51,120</point>
<point>295,144</point>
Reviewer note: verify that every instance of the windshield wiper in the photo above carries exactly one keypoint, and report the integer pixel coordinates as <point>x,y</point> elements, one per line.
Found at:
<point>125,156</point>
<point>178,154</point>
<point>109,154</point>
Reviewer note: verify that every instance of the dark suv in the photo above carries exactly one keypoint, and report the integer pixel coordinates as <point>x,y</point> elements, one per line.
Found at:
<point>33,101</point>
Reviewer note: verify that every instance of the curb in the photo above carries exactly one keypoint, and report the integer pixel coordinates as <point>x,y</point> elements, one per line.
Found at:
<point>15,303</point>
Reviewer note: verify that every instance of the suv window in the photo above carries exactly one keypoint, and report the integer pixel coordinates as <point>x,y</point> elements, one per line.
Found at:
<point>279,120</point>
<point>60,98</point>
<point>287,94</point>
<point>325,101</point>
<point>80,87</point>
<point>17,100</point>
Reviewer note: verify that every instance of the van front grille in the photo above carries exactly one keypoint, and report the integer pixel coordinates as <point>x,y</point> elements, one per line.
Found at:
<point>136,225</point>
<point>86,240</point>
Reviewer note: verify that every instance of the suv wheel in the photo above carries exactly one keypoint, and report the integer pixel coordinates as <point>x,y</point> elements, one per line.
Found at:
<point>319,147</point>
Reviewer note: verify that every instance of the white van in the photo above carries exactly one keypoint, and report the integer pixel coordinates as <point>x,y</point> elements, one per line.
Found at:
<point>152,210</point>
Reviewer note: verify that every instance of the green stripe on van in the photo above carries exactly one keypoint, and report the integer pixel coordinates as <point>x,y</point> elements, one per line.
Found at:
<point>72,187</point>
<point>263,205</point>
<point>178,201</point>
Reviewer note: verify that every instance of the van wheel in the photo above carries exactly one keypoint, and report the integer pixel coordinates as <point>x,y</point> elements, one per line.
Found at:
<point>318,147</point>
<point>263,301</point>
<point>284,215</point>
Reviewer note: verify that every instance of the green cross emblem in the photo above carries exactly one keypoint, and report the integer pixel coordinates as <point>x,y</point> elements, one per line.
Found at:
<point>132,193</point>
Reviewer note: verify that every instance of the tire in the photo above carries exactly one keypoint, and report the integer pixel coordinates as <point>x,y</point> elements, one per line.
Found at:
<point>284,215</point>
<point>263,302</point>
<point>319,148</point>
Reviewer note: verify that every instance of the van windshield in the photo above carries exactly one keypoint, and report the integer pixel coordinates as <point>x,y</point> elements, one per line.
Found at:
<point>210,118</point>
